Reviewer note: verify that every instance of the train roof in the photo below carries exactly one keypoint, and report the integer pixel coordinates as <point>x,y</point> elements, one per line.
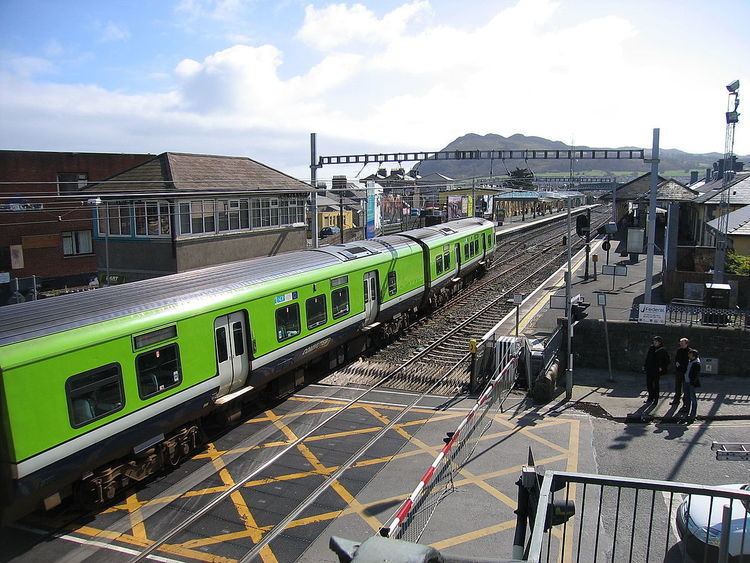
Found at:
<point>361,248</point>
<point>34,319</point>
<point>437,233</point>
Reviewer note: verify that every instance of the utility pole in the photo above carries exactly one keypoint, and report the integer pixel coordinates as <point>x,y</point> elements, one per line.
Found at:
<point>341,214</point>
<point>654,160</point>
<point>314,192</point>
<point>106,246</point>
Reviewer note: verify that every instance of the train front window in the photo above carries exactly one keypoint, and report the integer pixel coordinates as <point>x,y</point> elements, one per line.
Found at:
<point>340,302</point>
<point>94,394</point>
<point>287,322</point>
<point>158,370</point>
<point>315,307</point>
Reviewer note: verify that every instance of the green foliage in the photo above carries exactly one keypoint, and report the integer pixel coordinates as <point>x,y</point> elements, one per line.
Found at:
<point>737,264</point>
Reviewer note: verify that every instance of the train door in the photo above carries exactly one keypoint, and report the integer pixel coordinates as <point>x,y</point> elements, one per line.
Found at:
<point>371,297</point>
<point>458,257</point>
<point>232,354</point>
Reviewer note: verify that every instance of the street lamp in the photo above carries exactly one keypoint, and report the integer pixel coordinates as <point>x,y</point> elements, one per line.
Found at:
<point>96,202</point>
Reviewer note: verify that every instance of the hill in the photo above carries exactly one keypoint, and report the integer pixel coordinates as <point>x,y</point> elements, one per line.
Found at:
<point>672,160</point>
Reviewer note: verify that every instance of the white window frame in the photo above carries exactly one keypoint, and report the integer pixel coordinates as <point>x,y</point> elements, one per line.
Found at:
<point>114,210</point>
<point>146,205</point>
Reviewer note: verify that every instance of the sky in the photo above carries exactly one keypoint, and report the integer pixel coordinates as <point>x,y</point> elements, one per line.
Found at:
<point>254,77</point>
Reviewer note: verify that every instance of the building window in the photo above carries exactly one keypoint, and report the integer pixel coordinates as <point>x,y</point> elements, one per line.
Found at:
<point>152,218</point>
<point>315,308</point>
<point>340,301</point>
<point>94,394</point>
<point>158,370</point>
<point>68,182</point>
<point>287,322</point>
<point>392,289</point>
<point>76,242</point>
<point>114,217</point>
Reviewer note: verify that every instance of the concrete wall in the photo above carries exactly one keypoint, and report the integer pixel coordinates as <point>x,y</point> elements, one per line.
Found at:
<point>629,343</point>
<point>200,252</point>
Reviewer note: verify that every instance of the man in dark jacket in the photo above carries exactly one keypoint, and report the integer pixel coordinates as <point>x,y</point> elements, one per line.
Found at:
<point>680,367</point>
<point>657,361</point>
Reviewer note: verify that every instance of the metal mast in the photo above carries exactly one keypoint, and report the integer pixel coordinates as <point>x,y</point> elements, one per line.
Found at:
<point>732,116</point>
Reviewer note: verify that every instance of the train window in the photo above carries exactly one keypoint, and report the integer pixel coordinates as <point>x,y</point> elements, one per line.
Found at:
<point>439,264</point>
<point>287,322</point>
<point>489,241</point>
<point>466,250</point>
<point>392,288</point>
<point>221,344</point>
<point>94,394</point>
<point>447,261</point>
<point>158,370</point>
<point>315,308</point>
<point>340,302</point>
<point>239,341</point>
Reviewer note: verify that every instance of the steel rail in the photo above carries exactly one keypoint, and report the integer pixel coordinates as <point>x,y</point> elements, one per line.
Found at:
<point>281,526</point>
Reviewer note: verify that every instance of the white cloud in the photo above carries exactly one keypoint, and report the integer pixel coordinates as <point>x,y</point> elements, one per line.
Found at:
<point>112,31</point>
<point>26,66</point>
<point>384,83</point>
<point>221,10</point>
<point>340,24</point>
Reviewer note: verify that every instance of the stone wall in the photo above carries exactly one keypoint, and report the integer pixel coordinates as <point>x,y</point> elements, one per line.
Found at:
<point>629,342</point>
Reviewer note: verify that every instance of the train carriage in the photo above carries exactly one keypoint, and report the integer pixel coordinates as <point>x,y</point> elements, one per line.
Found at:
<point>102,388</point>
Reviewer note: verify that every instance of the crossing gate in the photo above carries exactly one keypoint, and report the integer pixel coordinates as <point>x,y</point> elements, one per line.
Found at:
<point>410,520</point>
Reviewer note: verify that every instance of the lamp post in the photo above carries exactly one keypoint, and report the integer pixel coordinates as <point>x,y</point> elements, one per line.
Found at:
<point>568,311</point>
<point>96,202</point>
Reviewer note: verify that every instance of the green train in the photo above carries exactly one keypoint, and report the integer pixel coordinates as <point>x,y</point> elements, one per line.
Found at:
<point>103,388</point>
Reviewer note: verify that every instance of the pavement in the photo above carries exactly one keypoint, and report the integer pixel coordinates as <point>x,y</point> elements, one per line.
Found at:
<point>622,397</point>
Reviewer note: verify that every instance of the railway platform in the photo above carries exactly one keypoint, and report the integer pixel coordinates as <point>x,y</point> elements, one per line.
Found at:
<point>622,398</point>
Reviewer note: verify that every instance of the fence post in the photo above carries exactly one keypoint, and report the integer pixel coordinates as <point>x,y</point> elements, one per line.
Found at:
<point>726,525</point>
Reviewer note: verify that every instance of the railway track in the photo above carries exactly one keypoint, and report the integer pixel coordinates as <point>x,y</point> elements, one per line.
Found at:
<point>223,506</point>
<point>442,338</point>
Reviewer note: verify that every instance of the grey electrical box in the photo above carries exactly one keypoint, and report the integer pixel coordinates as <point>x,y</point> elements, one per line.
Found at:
<point>710,366</point>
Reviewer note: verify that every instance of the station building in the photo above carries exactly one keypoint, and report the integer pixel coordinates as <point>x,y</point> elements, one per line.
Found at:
<point>180,212</point>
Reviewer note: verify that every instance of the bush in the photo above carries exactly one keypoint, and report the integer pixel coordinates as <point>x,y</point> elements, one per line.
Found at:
<point>738,264</point>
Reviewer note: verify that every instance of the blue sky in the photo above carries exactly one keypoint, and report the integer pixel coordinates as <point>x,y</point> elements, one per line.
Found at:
<point>253,77</point>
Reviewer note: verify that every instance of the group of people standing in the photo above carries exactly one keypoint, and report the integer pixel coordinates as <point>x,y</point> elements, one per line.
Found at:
<point>686,375</point>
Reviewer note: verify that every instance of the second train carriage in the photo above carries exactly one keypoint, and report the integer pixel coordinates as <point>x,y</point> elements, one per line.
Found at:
<point>102,388</point>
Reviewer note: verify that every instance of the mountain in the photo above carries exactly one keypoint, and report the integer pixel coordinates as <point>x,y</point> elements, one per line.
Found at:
<point>671,159</point>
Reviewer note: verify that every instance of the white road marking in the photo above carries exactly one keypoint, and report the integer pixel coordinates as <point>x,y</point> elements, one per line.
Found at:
<point>96,544</point>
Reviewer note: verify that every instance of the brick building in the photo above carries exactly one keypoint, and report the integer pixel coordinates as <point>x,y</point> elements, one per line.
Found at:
<point>42,234</point>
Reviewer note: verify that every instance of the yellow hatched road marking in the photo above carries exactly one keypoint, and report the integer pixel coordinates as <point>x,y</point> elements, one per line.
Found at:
<point>474,535</point>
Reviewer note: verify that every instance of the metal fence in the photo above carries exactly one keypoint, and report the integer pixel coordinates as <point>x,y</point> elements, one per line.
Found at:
<point>410,520</point>
<point>626,519</point>
<point>708,316</point>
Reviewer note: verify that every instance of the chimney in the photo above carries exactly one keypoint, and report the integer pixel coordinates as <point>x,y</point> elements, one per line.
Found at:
<point>338,183</point>
<point>708,174</point>
<point>693,177</point>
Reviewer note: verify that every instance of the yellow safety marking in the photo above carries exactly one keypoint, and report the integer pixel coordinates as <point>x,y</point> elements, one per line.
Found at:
<point>241,507</point>
<point>166,548</point>
<point>476,534</point>
<point>293,414</point>
<point>526,432</point>
<point>337,487</point>
<point>422,410</point>
<point>527,318</point>
<point>132,504</point>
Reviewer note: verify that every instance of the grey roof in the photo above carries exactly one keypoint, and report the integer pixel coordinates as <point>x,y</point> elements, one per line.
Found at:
<point>175,172</point>
<point>671,190</point>
<point>34,319</point>
<point>739,222</point>
<point>739,195</point>
<point>633,189</point>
